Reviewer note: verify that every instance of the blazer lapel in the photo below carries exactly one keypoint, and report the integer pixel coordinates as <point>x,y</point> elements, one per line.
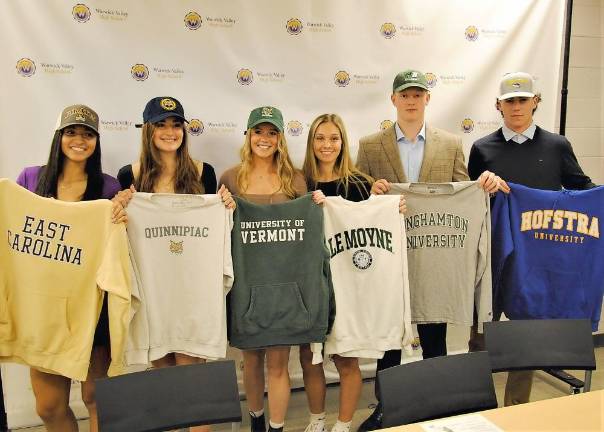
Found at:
<point>390,147</point>
<point>430,150</point>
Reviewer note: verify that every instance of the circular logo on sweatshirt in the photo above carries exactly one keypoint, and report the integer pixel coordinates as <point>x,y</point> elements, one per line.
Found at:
<point>362,259</point>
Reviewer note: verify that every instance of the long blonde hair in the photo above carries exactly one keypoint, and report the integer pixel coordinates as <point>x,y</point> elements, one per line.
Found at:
<point>281,159</point>
<point>187,175</point>
<point>346,171</point>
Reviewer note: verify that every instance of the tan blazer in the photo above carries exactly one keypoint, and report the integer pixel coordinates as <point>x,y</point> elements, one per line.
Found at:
<point>443,160</point>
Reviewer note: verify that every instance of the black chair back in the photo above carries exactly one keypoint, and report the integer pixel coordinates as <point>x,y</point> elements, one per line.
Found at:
<point>169,398</point>
<point>540,344</point>
<point>436,387</point>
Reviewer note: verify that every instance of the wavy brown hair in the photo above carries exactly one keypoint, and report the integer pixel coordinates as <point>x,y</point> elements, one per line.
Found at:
<point>187,175</point>
<point>346,171</point>
<point>281,159</point>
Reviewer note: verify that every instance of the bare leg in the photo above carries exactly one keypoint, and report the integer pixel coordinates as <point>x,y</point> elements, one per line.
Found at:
<point>277,359</point>
<point>350,386</point>
<point>183,359</point>
<point>165,361</point>
<point>314,381</point>
<point>99,364</point>
<point>253,378</point>
<point>52,401</point>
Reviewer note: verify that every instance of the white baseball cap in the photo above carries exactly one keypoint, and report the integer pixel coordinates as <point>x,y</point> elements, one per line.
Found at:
<point>516,84</point>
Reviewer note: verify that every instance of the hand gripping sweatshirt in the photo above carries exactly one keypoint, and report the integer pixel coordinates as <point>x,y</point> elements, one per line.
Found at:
<point>548,255</point>
<point>282,294</point>
<point>368,265</point>
<point>181,251</point>
<point>57,261</point>
<point>448,229</point>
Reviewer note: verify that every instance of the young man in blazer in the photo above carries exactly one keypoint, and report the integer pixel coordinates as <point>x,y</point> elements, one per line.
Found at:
<point>411,151</point>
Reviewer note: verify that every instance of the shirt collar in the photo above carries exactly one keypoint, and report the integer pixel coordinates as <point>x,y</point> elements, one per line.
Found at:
<point>400,135</point>
<point>529,133</point>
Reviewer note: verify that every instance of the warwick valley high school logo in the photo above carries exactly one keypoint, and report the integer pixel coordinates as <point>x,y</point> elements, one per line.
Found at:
<point>139,72</point>
<point>342,79</point>
<point>294,26</point>
<point>431,79</point>
<point>467,125</point>
<point>385,124</point>
<point>193,20</point>
<point>388,30</point>
<point>245,76</point>
<point>81,13</point>
<point>195,127</point>
<point>471,33</point>
<point>294,128</point>
<point>26,67</point>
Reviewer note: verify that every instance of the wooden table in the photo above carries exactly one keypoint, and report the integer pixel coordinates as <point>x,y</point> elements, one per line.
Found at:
<point>581,412</point>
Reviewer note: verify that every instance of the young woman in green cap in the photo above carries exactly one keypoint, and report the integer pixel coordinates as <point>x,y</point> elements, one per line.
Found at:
<point>265,175</point>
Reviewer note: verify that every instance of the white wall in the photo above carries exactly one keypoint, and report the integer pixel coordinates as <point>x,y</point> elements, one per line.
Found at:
<point>585,118</point>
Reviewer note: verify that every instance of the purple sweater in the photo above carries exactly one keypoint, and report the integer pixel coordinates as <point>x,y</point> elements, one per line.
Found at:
<point>29,180</point>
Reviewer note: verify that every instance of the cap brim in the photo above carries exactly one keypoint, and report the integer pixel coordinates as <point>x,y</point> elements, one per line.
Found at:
<point>409,85</point>
<point>79,124</point>
<point>164,116</point>
<point>271,121</point>
<point>515,94</point>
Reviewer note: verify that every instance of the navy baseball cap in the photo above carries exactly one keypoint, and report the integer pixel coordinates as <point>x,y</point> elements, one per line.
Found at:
<point>160,108</point>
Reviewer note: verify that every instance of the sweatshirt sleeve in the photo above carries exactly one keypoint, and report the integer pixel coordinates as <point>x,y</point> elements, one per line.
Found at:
<point>137,349</point>
<point>113,277</point>
<point>407,328</point>
<point>227,272</point>
<point>502,246</point>
<point>483,292</point>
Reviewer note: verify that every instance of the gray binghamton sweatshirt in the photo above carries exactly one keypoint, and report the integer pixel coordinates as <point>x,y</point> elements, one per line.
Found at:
<point>448,227</point>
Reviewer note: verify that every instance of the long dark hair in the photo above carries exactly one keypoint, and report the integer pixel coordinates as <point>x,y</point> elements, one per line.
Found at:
<point>187,174</point>
<point>49,174</point>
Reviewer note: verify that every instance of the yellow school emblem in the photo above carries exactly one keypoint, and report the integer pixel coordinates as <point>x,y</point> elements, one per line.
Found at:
<point>176,247</point>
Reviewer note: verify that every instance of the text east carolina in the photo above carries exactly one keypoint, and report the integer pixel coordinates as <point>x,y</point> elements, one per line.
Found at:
<point>41,238</point>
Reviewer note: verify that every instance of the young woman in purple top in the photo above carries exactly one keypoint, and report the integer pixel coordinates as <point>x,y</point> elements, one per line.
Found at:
<point>73,173</point>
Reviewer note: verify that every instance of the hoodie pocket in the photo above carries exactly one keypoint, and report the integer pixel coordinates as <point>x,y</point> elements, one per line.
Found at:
<point>276,306</point>
<point>554,293</point>
<point>44,325</point>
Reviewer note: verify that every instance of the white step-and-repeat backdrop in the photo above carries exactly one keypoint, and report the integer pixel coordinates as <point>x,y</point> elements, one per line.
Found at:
<point>223,58</point>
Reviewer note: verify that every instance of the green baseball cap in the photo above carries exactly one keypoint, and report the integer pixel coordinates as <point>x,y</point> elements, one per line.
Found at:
<point>266,114</point>
<point>409,78</point>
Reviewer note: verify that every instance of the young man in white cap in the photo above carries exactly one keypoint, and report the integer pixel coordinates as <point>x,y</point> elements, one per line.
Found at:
<point>412,151</point>
<point>523,153</point>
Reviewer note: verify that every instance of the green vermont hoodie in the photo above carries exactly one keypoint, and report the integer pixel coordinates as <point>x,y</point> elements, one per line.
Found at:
<point>282,294</point>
